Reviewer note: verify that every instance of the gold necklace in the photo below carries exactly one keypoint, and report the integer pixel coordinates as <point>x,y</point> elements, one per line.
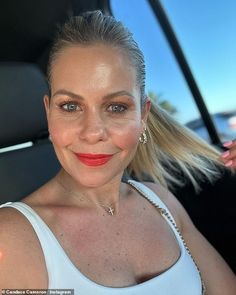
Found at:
<point>109,209</point>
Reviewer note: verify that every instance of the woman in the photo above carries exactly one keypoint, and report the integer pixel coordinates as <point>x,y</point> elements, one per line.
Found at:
<point>88,230</point>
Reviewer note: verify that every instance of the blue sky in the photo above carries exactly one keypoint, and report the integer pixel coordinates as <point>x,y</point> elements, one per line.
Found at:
<point>207,33</point>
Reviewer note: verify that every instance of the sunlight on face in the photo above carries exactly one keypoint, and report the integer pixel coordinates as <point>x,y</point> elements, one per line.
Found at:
<point>101,76</point>
<point>94,109</point>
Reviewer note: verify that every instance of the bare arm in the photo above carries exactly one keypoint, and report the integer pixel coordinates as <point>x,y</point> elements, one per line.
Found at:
<point>219,279</point>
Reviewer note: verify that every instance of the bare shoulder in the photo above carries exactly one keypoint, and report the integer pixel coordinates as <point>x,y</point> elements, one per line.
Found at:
<point>12,226</point>
<point>20,250</point>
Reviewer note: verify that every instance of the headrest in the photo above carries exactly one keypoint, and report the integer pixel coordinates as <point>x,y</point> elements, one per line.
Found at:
<point>22,114</point>
<point>27,27</point>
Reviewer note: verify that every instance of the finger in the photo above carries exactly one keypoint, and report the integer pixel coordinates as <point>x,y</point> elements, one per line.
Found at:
<point>229,158</point>
<point>230,144</point>
<point>231,150</point>
<point>231,164</point>
<point>228,155</point>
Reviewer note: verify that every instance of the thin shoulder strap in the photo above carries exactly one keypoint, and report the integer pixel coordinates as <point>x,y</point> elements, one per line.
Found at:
<point>157,202</point>
<point>152,197</point>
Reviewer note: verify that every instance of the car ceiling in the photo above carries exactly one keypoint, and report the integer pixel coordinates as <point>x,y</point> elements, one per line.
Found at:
<point>27,27</point>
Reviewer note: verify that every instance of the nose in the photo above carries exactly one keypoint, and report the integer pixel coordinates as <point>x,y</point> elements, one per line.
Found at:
<point>93,128</point>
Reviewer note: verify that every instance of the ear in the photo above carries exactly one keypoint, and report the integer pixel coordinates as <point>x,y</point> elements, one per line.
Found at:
<point>46,102</point>
<point>146,109</point>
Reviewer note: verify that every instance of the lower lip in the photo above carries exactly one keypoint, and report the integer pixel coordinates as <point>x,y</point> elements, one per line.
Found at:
<point>94,161</point>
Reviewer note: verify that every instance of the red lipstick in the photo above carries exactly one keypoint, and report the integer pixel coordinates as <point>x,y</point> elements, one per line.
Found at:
<point>94,159</point>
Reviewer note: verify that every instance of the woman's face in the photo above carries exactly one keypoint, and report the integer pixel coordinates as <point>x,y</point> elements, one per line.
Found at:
<point>94,114</point>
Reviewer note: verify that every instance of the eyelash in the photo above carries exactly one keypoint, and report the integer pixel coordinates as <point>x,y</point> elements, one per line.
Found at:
<point>124,108</point>
<point>67,103</point>
<point>64,107</point>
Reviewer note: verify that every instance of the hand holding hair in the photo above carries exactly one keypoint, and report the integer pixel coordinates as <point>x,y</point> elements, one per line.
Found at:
<point>229,157</point>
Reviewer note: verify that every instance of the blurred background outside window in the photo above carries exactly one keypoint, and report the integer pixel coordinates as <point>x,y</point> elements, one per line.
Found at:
<point>206,32</point>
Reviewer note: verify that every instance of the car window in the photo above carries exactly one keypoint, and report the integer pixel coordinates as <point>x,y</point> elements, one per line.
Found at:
<point>165,82</point>
<point>206,31</point>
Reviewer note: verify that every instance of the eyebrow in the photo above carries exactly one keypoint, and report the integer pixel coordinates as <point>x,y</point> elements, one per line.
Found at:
<point>106,97</point>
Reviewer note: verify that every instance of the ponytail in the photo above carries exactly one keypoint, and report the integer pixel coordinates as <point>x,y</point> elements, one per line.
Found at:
<point>173,150</point>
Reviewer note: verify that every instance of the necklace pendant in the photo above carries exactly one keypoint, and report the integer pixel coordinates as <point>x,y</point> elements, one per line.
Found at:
<point>111,211</point>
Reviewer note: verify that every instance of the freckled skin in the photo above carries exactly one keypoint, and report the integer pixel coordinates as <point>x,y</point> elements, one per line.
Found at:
<point>93,72</point>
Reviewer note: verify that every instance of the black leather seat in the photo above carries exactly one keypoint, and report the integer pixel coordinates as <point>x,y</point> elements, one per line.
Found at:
<point>213,211</point>
<point>22,119</point>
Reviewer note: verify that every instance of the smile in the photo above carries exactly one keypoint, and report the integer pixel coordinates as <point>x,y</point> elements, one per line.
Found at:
<point>94,159</point>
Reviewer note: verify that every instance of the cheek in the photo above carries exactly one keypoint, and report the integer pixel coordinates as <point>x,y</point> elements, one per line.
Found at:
<point>59,132</point>
<point>127,137</point>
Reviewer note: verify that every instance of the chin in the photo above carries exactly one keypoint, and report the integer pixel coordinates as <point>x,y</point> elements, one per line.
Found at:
<point>97,181</point>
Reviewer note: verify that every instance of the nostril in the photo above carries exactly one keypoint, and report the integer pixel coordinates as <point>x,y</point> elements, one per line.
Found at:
<point>93,132</point>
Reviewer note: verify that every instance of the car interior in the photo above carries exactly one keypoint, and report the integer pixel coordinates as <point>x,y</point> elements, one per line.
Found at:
<point>27,30</point>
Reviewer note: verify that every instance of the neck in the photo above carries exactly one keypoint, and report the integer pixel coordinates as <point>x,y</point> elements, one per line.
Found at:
<point>106,196</point>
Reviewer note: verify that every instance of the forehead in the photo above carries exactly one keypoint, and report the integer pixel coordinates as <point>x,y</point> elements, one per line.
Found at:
<point>92,67</point>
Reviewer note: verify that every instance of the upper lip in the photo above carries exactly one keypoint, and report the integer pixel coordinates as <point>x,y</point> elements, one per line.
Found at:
<point>93,156</point>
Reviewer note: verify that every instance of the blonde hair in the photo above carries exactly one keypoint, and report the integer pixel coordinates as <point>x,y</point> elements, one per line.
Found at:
<point>173,151</point>
<point>93,27</point>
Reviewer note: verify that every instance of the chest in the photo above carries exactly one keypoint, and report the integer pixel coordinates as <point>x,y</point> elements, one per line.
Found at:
<point>119,252</point>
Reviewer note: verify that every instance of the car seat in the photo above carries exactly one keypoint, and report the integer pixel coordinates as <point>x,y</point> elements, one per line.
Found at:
<point>23,120</point>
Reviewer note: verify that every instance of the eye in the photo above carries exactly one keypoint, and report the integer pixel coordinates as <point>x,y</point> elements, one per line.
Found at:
<point>117,108</point>
<point>70,106</point>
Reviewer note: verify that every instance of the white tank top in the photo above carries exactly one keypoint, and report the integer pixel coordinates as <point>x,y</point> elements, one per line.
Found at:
<point>183,278</point>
